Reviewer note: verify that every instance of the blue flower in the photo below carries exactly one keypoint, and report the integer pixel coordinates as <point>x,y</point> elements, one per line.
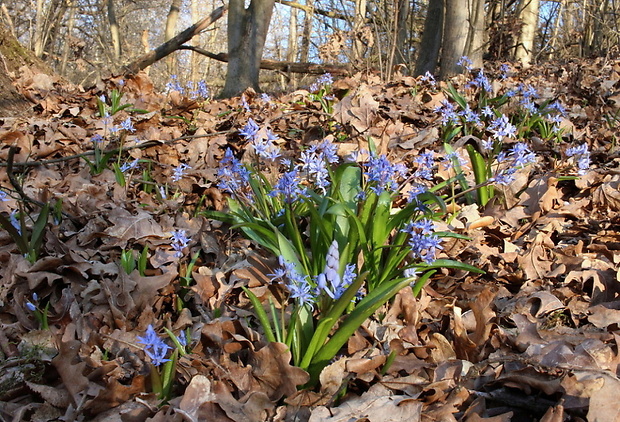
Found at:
<point>466,63</point>
<point>422,240</point>
<point>382,174</point>
<point>522,155</point>
<point>3,196</point>
<point>504,69</point>
<point>154,346</point>
<point>429,78</point>
<point>470,116</point>
<point>250,130</point>
<point>174,85</point>
<point>179,172</point>
<point>179,242</point>
<point>481,81</point>
<point>129,166</point>
<point>582,155</point>
<point>96,139</point>
<point>31,307</point>
<point>502,128</point>
<point>448,113</point>
<point>233,176</point>
<point>425,164</point>
<point>127,125</point>
<point>288,187</point>
<point>504,177</point>
<point>298,285</point>
<point>244,104</point>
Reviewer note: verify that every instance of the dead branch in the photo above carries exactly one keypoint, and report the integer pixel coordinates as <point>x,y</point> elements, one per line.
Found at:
<point>294,67</point>
<point>173,44</point>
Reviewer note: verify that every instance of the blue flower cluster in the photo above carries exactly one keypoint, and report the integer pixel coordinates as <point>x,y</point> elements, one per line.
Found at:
<point>582,155</point>
<point>232,176</point>
<point>423,241</point>
<point>325,79</point>
<point>289,187</point>
<point>179,171</point>
<point>194,90</point>
<point>298,285</point>
<point>519,156</point>
<point>329,281</point>
<point>382,174</point>
<point>154,347</point>
<point>179,242</point>
<point>314,163</point>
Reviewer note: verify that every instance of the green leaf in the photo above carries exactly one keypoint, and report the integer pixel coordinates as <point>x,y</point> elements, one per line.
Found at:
<point>353,321</point>
<point>261,314</point>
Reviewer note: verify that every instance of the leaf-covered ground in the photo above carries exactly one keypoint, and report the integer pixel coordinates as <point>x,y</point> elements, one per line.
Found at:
<point>534,338</point>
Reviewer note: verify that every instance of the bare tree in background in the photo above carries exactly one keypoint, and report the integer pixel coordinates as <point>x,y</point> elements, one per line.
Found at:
<point>247,32</point>
<point>529,18</point>
<point>430,45</point>
<point>115,32</point>
<point>171,26</point>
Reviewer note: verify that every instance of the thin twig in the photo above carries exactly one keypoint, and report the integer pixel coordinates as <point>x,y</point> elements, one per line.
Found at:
<point>142,145</point>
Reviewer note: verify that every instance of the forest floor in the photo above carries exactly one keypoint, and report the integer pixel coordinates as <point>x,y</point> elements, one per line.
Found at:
<point>536,337</point>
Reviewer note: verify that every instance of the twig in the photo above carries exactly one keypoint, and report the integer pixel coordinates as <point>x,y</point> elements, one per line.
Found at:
<point>142,145</point>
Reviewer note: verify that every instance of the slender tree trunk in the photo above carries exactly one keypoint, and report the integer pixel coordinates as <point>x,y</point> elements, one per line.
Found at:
<point>359,48</point>
<point>529,19</point>
<point>195,42</point>
<point>67,42</point>
<point>38,29</point>
<point>454,37</point>
<point>431,38</point>
<point>169,33</point>
<point>247,31</point>
<point>292,48</point>
<point>307,34</point>
<point>114,31</point>
<point>474,47</point>
<point>402,55</point>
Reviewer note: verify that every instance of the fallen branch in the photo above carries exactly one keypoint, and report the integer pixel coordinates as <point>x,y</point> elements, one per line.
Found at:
<point>173,44</point>
<point>294,67</point>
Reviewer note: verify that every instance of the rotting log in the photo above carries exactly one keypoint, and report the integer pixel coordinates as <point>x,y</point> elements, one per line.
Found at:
<point>294,67</point>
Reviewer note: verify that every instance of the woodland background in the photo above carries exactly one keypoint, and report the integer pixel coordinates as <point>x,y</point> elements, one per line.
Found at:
<point>85,39</point>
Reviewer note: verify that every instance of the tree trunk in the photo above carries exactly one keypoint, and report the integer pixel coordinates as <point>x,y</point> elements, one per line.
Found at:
<point>431,38</point>
<point>404,8</point>
<point>114,31</point>
<point>307,34</point>
<point>454,37</point>
<point>247,31</point>
<point>171,26</point>
<point>474,47</point>
<point>359,20</point>
<point>67,42</point>
<point>529,18</point>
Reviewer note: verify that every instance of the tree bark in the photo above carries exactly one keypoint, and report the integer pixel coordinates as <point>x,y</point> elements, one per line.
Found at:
<point>404,8</point>
<point>115,32</point>
<point>247,31</point>
<point>474,48</point>
<point>431,38</point>
<point>171,25</point>
<point>455,37</point>
<point>307,34</point>
<point>529,19</point>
